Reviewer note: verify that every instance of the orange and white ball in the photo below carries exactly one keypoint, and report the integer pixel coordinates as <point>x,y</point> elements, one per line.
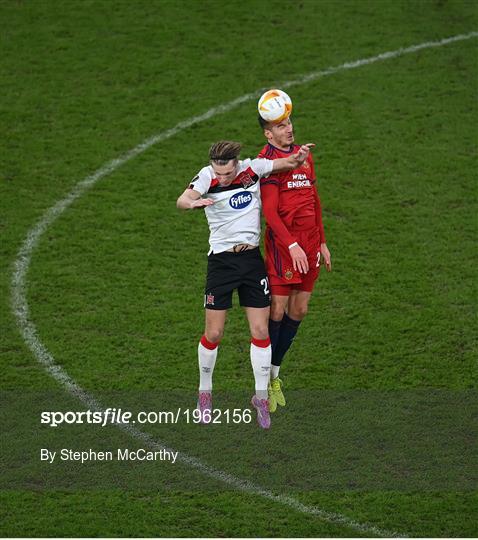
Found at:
<point>274,106</point>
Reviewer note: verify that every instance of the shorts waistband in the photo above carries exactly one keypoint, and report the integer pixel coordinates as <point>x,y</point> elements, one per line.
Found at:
<point>239,248</point>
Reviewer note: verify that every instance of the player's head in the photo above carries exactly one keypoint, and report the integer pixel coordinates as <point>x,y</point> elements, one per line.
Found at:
<point>223,156</point>
<point>280,134</point>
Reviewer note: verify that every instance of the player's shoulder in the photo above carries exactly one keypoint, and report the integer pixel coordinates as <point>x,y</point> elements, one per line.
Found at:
<point>262,152</point>
<point>206,172</point>
<point>244,164</point>
<point>272,152</point>
<point>269,152</point>
<point>251,170</point>
<point>202,180</point>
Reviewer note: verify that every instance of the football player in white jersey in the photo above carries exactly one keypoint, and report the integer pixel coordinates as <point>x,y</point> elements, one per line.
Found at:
<point>229,191</point>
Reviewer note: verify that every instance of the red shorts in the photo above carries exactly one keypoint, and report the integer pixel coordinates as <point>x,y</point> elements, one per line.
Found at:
<point>282,276</point>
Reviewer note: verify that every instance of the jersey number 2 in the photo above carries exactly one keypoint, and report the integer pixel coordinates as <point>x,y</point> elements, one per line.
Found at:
<point>265,284</point>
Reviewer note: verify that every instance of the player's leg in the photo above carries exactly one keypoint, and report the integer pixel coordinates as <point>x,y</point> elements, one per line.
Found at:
<point>297,308</point>
<point>296,311</point>
<point>297,304</point>
<point>208,346</point>
<point>207,354</point>
<point>254,296</point>
<point>282,278</point>
<point>278,307</point>
<point>279,304</point>
<point>279,270</point>
<point>260,351</point>
<point>217,300</point>
<point>298,301</point>
<point>260,354</point>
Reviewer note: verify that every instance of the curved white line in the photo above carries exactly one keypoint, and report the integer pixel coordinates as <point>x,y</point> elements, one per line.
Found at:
<point>28,330</point>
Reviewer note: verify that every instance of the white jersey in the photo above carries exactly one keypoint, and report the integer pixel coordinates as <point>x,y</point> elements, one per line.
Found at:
<point>235,216</point>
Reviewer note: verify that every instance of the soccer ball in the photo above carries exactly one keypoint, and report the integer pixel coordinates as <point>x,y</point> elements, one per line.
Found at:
<point>274,106</point>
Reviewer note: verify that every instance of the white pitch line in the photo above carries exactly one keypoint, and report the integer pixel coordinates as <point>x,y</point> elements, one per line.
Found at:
<point>28,330</point>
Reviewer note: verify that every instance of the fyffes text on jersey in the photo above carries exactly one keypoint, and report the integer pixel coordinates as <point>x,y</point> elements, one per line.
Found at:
<point>240,200</point>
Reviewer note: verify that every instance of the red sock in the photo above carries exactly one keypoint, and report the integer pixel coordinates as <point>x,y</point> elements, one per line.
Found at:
<point>262,343</point>
<point>208,344</point>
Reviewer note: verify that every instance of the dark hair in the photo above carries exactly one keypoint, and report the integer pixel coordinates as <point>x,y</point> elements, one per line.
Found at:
<point>263,123</point>
<point>223,151</point>
<point>267,125</point>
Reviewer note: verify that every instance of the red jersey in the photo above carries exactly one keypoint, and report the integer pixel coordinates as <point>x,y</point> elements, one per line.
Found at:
<point>290,201</point>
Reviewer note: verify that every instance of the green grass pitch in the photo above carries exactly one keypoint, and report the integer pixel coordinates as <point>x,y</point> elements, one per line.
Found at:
<point>115,285</point>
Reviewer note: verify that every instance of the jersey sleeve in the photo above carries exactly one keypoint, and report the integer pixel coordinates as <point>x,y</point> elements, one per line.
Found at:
<point>272,178</point>
<point>262,167</point>
<point>270,204</point>
<point>201,182</point>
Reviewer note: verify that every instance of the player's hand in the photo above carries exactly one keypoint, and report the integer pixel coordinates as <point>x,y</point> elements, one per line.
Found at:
<point>201,203</point>
<point>299,259</point>
<point>324,251</point>
<point>303,152</point>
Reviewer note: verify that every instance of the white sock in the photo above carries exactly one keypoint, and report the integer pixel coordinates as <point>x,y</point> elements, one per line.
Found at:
<point>261,365</point>
<point>274,371</point>
<point>207,361</point>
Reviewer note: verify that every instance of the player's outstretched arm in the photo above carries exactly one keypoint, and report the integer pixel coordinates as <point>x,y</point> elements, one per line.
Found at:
<point>191,200</point>
<point>293,161</point>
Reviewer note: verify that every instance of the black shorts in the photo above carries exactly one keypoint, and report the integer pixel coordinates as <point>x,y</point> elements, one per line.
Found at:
<point>244,271</point>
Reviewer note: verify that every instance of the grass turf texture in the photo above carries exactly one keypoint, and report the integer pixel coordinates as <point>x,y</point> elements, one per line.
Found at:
<point>115,287</point>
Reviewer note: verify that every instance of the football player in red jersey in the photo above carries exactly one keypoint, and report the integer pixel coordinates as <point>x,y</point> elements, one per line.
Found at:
<point>295,244</point>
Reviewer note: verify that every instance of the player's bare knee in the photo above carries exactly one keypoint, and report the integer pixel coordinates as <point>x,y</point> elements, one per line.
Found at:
<point>298,312</point>
<point>277,312</point>
<point>214,335</point>
<point>260,331</point>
